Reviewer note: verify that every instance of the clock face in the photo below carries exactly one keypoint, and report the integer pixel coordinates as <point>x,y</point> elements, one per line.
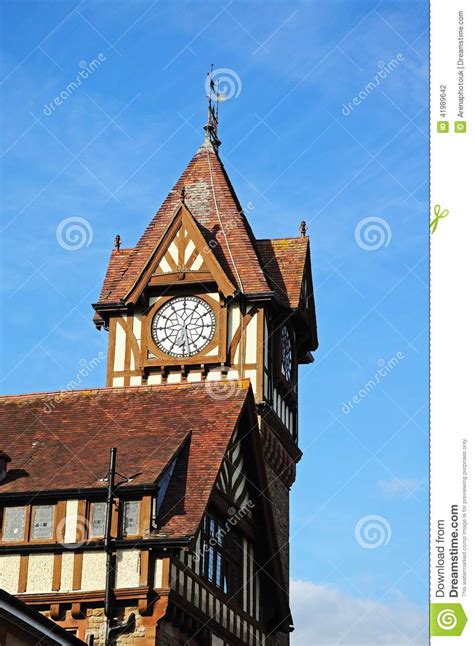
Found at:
<point>183,326</point>
<point>286,354</point>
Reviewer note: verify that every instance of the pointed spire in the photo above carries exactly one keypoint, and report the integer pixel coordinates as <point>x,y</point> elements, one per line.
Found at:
<point>211,127</point>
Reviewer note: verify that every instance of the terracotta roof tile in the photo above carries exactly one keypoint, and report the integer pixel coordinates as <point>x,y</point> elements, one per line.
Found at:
<point>61,441</point>
<point>283,261</point>
<point>115,270</point>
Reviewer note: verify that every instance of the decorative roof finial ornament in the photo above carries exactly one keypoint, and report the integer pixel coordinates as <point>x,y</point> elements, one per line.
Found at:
<point>183,194</point>
<point>117,242</point>
<point>212,90</point>
<point>303,229</point>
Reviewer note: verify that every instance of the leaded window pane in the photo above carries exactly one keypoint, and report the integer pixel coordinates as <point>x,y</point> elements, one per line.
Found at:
<point>42,525</point>
<point>130,517</point>
<point>14,524</point>
<point>97,527</point>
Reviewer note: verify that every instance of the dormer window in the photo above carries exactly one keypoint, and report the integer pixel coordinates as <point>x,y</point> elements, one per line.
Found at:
<point>4,460</point>
<point>162,487</point>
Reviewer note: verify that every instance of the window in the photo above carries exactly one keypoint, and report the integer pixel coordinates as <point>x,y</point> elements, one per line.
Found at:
<point>130,516</point>
<point>97,519</point>
<point>42,522</point>
<point>14,523</point>
<point>163,486</point>
<point>221,560</point>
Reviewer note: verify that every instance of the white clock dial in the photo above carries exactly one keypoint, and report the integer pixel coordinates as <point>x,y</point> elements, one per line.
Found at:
<point>183,326</point>
<point>286,354</point>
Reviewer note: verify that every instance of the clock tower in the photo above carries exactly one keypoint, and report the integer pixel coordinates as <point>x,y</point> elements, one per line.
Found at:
<point>200,299</point>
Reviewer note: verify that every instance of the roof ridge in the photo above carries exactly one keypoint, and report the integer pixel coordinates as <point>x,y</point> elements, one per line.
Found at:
<point>304,238</point>
<point>243,384</point>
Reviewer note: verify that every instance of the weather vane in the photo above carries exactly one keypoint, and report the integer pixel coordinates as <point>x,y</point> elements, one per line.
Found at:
<point>211,127</point>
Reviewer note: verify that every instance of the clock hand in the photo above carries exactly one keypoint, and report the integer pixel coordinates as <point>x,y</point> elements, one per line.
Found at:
<point>186,340</point>
<point>180,336</point>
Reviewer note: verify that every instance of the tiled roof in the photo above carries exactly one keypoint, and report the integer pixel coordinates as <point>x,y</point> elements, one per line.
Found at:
<point>61,441</point>
<point>203,177</point>
<point>283,261</point>
<point>115,271</point>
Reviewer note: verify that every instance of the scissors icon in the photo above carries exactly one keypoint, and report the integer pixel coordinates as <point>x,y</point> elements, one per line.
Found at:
<point>439,215</point>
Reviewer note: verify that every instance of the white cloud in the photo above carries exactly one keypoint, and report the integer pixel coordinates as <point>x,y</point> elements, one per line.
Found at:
<point>395,486</point>
<point>326,616</point>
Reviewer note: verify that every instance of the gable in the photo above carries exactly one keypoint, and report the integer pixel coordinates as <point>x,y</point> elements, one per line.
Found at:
<point>182,255</point>
<point>232,480</point>
<point>210,197</point>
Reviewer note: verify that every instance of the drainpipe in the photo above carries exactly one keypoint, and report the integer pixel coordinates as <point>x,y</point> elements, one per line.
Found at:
<point>110,563</point>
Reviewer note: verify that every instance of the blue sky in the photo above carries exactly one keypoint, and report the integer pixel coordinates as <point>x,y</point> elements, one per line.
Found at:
<point>114,147</point>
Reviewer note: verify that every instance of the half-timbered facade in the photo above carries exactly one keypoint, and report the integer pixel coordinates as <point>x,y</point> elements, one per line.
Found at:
<point>207,327</point>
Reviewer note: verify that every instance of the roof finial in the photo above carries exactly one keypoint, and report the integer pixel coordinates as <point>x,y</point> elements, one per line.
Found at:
<point>117,242</point>
<point>212,90</point>
<point>303,229</point>
<point>183,194</point>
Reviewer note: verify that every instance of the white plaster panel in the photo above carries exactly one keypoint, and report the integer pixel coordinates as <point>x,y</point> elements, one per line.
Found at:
<point>251,345</point>
<point>197,263</point>
<point>194,376</point>
<point>158,583</point>
<point>128,568</point>
<point>117,382</point>
<point>154,379</point>
<point>164,266</point>
<point>174,378</point>
<point>93,571</point>
<point>40,573</point>
<point>137,328</point>
<point>252,375</point>
<point>120,339</point>
<point>67,569</point>
<point>173,251</point>
<point>233,321</point>
<point>70,525</point>
<point>190,247</point>
<point>9,572</point>
<point>136,381</point>
<point>215,296</point>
